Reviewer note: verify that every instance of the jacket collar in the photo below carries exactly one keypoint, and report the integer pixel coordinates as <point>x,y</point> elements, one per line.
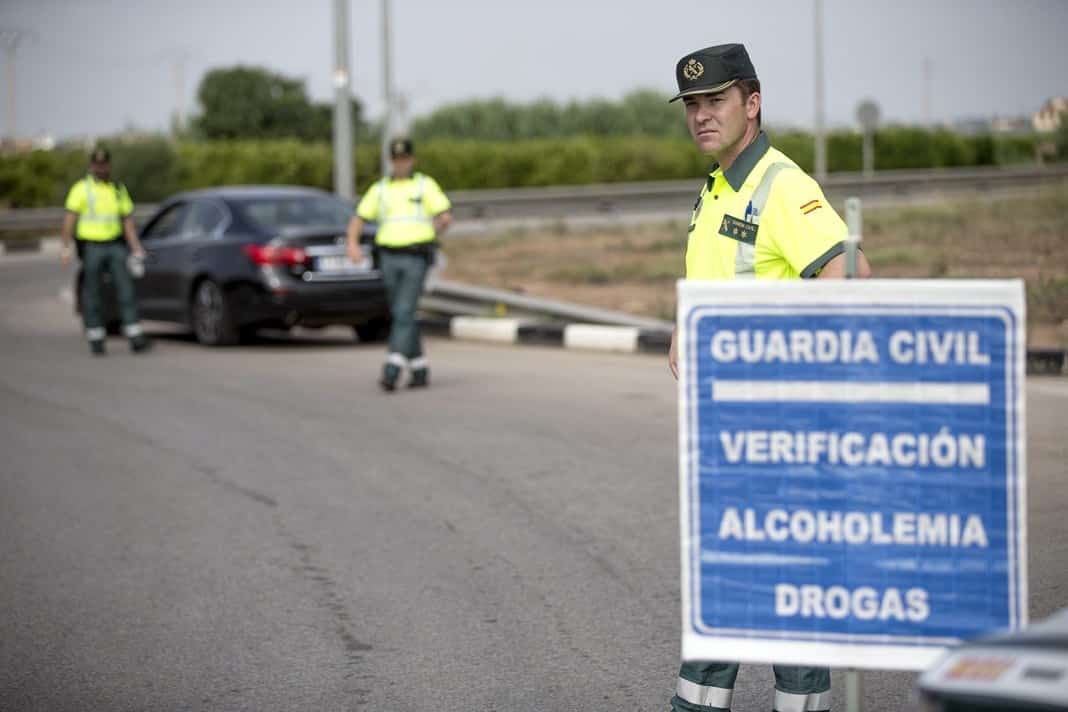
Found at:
<point>745,162</point>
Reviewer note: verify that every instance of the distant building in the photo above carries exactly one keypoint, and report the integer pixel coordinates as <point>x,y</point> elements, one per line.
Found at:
<point>1048,118</point>
<point>1011,125</point>
<point>971,126</point>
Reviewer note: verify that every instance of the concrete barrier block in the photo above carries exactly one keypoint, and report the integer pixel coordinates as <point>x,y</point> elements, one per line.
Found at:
<point>475,328</point>
<point>623,339</point>
<point>50,245</point>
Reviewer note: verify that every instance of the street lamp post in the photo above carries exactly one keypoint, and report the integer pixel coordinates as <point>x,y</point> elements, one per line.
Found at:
<point>344,172</point>
<point>387,87</point>
<point>821,139</point>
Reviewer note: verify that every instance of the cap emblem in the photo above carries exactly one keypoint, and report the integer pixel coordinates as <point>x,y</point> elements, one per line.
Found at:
<point>398,147</point>
<point>693,69</point>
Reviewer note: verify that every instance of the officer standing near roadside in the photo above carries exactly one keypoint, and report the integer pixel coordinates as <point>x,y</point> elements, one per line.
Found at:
<point>758,216</point>
<point>99,212</point>
<point>411,211</point>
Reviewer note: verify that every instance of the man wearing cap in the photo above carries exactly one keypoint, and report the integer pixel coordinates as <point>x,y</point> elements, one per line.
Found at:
<point>411,211</point>
<point>758,216</point>
<point>99,212</point>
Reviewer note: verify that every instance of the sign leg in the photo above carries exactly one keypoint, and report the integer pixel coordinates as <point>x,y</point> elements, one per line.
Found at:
<point>854,691</point>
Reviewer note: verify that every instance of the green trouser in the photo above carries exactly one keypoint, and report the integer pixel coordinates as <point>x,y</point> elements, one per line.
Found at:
<point>404,274</point>
<point>709,686</point>
<point>110,256</point>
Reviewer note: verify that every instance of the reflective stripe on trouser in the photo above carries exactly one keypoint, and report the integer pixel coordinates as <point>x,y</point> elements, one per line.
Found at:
<point>109,256</point>
<point>403,274</point>
<point>708,686</point>
<point>800,702</point>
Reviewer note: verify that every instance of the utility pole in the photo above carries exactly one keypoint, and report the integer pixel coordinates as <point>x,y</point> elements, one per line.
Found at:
<point>387,88</point>
<point>926,108</point>
<point>821,139</point>
<point>11,40</point>
<point>179,92</point>
<point>344,172</point>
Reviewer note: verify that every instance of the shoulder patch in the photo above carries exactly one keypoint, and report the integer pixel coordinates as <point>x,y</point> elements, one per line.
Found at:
<point>811,206</point>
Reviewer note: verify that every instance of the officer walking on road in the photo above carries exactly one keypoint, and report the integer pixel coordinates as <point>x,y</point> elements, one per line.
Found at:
<point>412,212</point>
<point>758,216</point>
<point>99,212</point>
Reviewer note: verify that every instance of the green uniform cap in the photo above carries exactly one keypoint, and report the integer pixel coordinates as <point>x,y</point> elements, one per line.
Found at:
<point>712,69</point>
<point>401,147</point>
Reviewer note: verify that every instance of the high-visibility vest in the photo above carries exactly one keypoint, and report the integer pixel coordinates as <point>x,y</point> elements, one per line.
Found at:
<point>764,218</point>
<point>101,207</point>
<point>404,210</point>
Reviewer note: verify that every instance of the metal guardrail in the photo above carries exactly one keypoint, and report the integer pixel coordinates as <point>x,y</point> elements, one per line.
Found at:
<point>671,196</point>
<point>654,197</point>
<point>453,298</point>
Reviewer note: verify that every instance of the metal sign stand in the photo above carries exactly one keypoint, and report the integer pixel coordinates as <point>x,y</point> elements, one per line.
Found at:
<point>854,221</point>
<point>854,682</point>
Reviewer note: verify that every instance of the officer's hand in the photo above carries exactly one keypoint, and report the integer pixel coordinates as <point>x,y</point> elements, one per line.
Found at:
<point>138,252</point>
<point>673,356</point>
<point>64,254</point>
<point>355,253</point>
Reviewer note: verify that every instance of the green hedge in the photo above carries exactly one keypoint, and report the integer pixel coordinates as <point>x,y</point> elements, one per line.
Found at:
<point>156,168</point>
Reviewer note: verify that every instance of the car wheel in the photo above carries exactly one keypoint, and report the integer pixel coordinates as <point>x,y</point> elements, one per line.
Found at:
<point>212,321</point>
<point>372,331</point>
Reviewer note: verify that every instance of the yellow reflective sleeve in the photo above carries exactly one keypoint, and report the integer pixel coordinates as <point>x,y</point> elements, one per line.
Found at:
<point>368,207</point>
<point>804,226</point>
<point>434,197</point>
<point>76,198</point>
<point>126,205</point>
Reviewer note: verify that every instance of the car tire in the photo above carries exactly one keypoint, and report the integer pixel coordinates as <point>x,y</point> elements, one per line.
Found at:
<point>371,332</point>
<point>213,323</point>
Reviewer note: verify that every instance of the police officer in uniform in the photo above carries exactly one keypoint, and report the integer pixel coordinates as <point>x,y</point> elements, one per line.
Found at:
<point>99,211</point>
<point>758,216</point>
<point>411,211</point>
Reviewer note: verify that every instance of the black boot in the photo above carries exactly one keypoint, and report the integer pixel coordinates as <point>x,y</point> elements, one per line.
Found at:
<point>420,378</point>
<point>390,373</point>
<point>139,344</point>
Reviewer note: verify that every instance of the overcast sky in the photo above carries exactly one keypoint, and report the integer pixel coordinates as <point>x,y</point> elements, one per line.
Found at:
<point>92,67</point>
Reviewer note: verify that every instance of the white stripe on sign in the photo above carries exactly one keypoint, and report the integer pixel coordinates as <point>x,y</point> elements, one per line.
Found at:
<point>731,559</point>
<point>851,392</point>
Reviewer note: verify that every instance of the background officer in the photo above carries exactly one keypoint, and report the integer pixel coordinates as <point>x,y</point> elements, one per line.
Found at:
<point>99,211</point>
<point>758,216</point>
<point>412,212</point>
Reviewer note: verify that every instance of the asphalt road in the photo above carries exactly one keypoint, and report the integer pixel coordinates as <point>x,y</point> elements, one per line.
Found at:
<point>259,528</point>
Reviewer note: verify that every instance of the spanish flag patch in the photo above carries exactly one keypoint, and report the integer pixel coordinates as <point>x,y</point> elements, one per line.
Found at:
<point>811,206</point>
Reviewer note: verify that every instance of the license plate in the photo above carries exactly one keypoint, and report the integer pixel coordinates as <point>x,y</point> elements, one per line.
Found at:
<point>337,263</point>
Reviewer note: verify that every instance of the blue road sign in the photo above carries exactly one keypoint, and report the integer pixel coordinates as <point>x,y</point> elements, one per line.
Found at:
<point>851,469</point>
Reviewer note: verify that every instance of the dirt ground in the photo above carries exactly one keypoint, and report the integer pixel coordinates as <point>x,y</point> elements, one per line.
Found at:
<point>633,269</point>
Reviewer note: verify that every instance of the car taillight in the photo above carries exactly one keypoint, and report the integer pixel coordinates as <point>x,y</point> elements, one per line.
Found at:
<point>275,255</point>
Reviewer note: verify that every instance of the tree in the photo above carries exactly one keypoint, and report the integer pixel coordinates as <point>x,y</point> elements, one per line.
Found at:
<point>1061,138</point>
<point>640,113</point>
<point>254,103</point>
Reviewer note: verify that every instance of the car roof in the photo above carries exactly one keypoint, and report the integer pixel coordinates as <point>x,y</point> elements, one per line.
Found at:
<point>245,192</point>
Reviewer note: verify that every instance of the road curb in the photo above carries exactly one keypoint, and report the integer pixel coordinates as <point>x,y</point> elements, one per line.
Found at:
<point>625,339</point>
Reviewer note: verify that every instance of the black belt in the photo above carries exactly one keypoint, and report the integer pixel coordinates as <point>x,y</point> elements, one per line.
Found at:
<point>421,248</point>
<point>108,241</point>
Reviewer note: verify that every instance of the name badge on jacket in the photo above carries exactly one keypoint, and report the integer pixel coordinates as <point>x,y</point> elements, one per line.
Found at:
<point>739,230</point>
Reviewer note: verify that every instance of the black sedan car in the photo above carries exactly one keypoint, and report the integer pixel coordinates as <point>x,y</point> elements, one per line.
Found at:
<point>229,261</point>
<point>1021,671</point>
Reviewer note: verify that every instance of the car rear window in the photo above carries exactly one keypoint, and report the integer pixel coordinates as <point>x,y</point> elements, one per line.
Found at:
<point>279,213</point>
